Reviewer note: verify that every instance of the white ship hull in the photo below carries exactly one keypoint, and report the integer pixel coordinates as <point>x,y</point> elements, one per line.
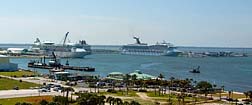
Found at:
<point>70,54</point>
<point>151,53</point>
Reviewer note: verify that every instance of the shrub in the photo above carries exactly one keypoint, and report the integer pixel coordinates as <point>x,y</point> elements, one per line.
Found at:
<point>43,102</point>
<point>111,91</point>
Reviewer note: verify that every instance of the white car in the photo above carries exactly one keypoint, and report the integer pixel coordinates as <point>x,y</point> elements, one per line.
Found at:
<point>44,90</point>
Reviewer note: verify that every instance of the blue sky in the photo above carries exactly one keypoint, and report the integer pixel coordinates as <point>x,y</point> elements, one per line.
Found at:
<point>221,23</point>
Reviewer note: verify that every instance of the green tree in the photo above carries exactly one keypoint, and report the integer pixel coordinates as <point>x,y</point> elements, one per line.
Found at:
<point>126,103</point>
<point>118,101</point>
<point>134,103</point>
<point>110,100</point>
<point>24,103</point>
<point>126,81</point>
<point>204,87</point>
<point>60,100</point>
<point>43,102</point>
<point>67,90</point>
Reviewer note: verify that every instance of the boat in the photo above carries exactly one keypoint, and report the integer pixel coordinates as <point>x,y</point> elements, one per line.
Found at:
<point>159,49</point>
<point>195,70</point>
<point>64,50</point>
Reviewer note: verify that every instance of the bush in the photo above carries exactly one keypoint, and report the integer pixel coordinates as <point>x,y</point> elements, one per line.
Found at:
<point>111,91</point>
<point>20,80</point>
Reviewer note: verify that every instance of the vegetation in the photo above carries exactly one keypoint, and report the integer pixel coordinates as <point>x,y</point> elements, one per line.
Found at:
<point>8,84</point>
<point>120,93</point>
<point>19,73</point>
<point>32,100</point>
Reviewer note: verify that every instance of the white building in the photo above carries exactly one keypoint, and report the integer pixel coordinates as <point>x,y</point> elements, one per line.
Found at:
<point>5,64</point>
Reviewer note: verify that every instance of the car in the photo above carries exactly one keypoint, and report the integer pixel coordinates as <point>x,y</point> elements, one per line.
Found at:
<point>57,89</point>
<point>44,90</point>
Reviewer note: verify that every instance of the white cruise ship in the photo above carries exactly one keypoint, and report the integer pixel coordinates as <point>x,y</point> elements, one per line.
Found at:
<point>64,50</point>
<point>159,49</point>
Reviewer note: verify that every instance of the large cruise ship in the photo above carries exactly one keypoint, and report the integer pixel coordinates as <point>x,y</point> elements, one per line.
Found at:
<point>159,49</point>
<point>64,50</point>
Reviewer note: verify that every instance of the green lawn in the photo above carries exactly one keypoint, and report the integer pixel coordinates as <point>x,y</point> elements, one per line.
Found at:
<point>121,93</point>
<point>8,84</point>
<point>32,100</point>
<point>18,73</point>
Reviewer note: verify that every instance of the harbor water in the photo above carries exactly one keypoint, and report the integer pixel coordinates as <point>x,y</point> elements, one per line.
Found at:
<point>232,72</point>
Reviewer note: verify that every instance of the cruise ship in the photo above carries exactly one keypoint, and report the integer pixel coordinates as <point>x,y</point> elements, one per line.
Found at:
<point>159,49</point>
<point>64,50</point>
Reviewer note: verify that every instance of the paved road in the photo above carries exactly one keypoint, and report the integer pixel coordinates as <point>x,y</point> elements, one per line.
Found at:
<point>24,93</point>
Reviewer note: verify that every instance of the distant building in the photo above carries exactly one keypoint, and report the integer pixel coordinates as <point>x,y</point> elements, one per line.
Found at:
<point>5,64</point>
<point>115,76</point>
<point>142,76</point>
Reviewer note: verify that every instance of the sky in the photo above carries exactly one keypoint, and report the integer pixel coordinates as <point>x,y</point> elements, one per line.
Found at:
<point>205,23</point>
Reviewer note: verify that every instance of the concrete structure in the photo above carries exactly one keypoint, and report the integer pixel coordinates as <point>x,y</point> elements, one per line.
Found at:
<point>5,64</point>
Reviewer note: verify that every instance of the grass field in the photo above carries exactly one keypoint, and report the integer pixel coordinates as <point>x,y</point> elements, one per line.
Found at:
<point>234,96</point>
<point>32,100</point>
<point>8,84</point>
<point>18,73</point>
<point>120,93</point>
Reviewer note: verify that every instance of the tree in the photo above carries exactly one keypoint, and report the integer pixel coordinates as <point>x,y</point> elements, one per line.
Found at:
<point>60,100</point>
<point>67,90</point>
<point>134,78</point>
<point>161,76</point>
<point>204,86</point>
<point>110,100</point>
<point>127,80</point>
<point>246,94</point>
<point>24,103</point>
<point>43,102</point>
<point>134,103</point>
<point>126,103</point>
<point>222,89</point>
<point>118,101</point>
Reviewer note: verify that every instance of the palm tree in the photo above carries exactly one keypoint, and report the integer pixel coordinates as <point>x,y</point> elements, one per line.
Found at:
<point>118,101</point>
<point>222,89</point>
<point>161,76</point>
<point>134,103</point>
<point>169,86</point>
<point>134,78</point>
<point>110,100</point>
<point>246,94</point>
<point>126,103</point>
<point>67,90</point>
<point>127,79</point>
<point>101,100</point>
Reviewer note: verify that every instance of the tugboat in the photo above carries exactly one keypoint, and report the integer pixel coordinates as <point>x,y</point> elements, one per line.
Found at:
<point>195,70</point>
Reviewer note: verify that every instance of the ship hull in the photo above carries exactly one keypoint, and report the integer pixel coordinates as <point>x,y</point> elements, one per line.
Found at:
<point>151,53</point>
<point>71,54</point>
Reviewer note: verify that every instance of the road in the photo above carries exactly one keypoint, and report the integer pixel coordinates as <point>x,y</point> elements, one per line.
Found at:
<point>24,93</point>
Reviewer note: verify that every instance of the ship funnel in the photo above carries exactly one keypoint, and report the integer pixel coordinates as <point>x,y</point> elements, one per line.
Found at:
<point>37,40</point>
<point>137,40</point>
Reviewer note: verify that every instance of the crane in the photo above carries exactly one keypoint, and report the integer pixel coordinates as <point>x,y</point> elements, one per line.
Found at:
<point>64,42</point>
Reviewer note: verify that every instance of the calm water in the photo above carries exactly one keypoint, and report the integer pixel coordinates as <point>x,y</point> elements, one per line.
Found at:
<point>232,72</point>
